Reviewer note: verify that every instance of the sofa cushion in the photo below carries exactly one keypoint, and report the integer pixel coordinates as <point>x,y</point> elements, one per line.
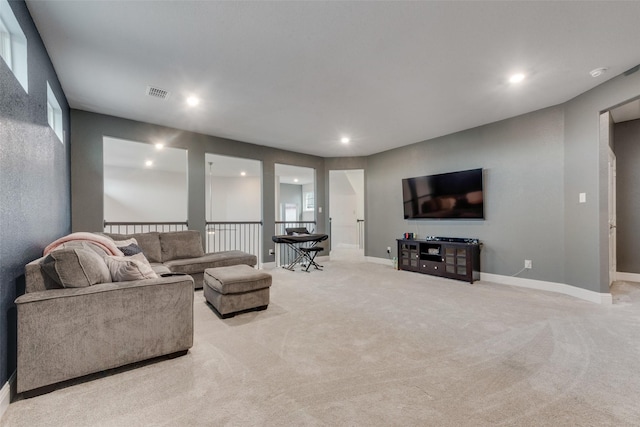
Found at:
<point>216,259</point>
<point>135,267</point>
<point>181,245</point>
<point>149,242</point>
<point>160,269</point>
<point>76,267</point>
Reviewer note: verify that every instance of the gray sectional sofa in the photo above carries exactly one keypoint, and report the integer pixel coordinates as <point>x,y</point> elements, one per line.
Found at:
<point>74,319</point>
<point>181,252</point>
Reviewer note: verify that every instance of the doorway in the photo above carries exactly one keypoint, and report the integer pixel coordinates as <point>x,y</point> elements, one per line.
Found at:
<point>346,213</point>
<point>620,133</point>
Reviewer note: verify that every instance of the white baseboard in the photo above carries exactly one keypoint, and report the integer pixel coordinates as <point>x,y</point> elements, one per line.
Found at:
<point>629,277</point>
<point>5,394</point>
<point>375,260</point>
<point>268,265</point>
<point>561,288</point>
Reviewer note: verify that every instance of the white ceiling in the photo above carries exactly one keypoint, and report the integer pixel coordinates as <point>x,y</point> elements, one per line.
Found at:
<point>300,75</point>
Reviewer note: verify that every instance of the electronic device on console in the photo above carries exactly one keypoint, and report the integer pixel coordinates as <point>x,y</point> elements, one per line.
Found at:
<point>452,240</point>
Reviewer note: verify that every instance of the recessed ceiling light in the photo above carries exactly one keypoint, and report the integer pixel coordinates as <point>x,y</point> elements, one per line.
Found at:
<point>516,78</point>
<point>598,72</point>
<point>148,163</point>
<point>192,101</point>
<point>159,146</point>
<point>243,173</point>
<point>345,140</point>
<point>295,179</point>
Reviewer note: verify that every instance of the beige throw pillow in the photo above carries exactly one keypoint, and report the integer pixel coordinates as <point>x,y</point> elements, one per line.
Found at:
<point>76,267</point>
<point>135,267</point>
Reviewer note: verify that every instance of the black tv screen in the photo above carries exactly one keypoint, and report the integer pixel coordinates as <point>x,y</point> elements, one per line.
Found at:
<point>454,195</point>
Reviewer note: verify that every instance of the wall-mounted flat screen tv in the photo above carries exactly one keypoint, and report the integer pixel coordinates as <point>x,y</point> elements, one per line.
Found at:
<point>454,195</point>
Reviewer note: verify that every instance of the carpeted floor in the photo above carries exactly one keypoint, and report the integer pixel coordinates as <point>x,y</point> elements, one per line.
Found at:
<point>363,344</point>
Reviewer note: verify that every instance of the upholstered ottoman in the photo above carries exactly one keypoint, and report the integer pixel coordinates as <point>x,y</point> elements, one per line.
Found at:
<point>236,288</point>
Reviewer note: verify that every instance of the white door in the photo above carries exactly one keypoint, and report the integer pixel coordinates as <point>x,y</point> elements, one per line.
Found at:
<point>612,217</point>
<point>346,210</point>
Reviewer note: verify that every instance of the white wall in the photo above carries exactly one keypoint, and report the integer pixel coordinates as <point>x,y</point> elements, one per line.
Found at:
<point>144,195</point>
<point>234,199</point>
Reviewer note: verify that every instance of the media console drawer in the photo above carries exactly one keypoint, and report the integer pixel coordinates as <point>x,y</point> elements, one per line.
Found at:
<point>428,266</point>
<point>455,260</point>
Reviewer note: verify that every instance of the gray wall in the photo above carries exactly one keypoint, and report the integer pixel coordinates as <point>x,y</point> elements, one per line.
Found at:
<point>34,178</point>
<point>88,129</point>
<point>536,166</point>
<point>586,170</point>
<point>627,150</point>
<point>523,178</point>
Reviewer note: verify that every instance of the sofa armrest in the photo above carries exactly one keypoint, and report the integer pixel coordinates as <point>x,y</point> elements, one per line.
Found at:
<point>68,333</point>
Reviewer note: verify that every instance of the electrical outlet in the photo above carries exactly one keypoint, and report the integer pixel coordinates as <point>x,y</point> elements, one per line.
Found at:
<point>527,264</point>
<point>272,252</point>
<point>388,249</point>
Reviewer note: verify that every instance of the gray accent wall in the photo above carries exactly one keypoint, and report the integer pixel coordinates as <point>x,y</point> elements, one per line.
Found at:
<point>88,129</point>
<point>627,150</point>
<point>586,170</point>
<point>523,161</point>
<point>34,178</point>
<point>536,165</point>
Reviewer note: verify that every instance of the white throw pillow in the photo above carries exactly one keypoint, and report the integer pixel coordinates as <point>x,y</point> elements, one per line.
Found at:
<point>135,267</point>
<point>125,242</point>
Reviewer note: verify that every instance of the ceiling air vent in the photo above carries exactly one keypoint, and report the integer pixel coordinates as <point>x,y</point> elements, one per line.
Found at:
<point>157,92</point>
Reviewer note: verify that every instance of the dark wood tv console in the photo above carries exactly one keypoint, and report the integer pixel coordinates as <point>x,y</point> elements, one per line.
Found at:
<point>454,260</point>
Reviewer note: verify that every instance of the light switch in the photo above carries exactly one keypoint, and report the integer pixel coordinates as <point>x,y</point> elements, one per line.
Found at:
<point>319,209</point>
<point>583,198</point>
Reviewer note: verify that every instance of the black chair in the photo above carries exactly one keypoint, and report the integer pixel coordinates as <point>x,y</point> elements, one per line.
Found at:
<point>310,254</point>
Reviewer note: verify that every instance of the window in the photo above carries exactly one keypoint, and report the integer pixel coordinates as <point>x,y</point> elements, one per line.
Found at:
<point>309,201</point>
<point>5,43</point>
<point>54,113</point>
<point>13,44</point>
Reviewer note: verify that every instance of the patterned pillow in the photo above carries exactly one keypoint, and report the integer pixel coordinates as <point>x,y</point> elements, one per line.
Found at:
<point>125,268</point>
<point>131,249</point>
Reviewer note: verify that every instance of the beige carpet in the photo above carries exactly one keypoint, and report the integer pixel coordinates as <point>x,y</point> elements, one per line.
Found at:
<point>363,344</point>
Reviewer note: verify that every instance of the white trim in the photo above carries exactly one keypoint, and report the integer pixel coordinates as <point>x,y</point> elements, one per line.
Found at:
<point>375,260</point>
<point>267,265</point>
<point>628,277</point>
<point>561,288</point>
<point>5,394</point>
